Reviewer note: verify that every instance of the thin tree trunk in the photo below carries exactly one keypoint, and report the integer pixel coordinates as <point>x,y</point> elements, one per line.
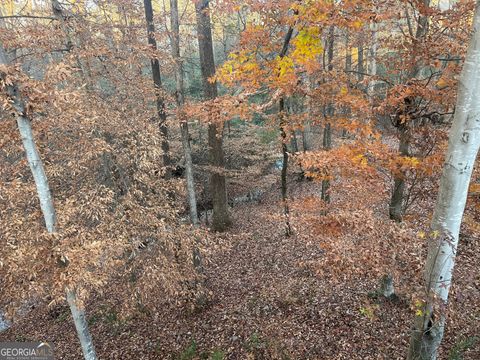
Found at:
<point>361,64</point>
<point>464,143</point>
<point>157,80</point>
<point>36,166</point>
<point>81,325</point>
<point>281,112</point>
<point>396,202</point>
<point>348,69</point>
<point>286,210</point>
<point>327,131</point>
<point>305,137</point>
<point>396,208</point>
<point>180,97</point>
<point>348,57</point>
<point>372,60</point>
<point>294,142</point>
<point>221,220</point>
<point>307,130</point>
<point>327,145</point>
<point>44,193</point>
<point>31,151</point>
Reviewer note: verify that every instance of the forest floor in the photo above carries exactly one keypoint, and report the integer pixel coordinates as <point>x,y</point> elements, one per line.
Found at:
<point>308,296</point>
<point>271,299</point>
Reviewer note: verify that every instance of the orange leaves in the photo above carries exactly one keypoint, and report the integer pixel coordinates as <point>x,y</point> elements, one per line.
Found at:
<point>345,160</point>
<point>218,110</point>
<point>402,164</point>
<point>474,189</point>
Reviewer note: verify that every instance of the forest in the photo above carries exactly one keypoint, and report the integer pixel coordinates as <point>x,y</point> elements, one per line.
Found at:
<point>256,179</point>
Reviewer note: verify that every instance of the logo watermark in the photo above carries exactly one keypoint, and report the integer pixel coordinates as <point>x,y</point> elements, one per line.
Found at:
<point>26,351</point>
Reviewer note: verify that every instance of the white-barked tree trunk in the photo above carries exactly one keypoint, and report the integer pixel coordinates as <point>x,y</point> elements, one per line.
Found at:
<point>46,200</point>
<point>464,143</point>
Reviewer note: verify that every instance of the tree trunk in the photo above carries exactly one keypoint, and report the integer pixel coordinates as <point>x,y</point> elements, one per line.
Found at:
<point>294,142</point>
<point>360,65</point>
<point>307,130</point>
<point>306,137</point>
<point>396,208</point>
<point>348,69</point>
<point>286,210</point>
<point>387,289</point>
<point>81,326</point>
<point>464,143</point>
<point>372,60</point>
<point>221,220</point>
<point>327,145</point>
<point>157,80</point>
<point>180,97</point>
<point>396,202</point>
<point>281,113</point>
<point>327,131</point>
<point>41,182</point>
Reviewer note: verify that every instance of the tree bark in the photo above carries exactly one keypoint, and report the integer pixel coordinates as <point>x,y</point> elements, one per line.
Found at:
<point>81,325</point>
<point>43,191</point>
<point>464,143</point>
<point>396,202</point>
<point>283,134</point>
<point>396,208</point>
<point>327,131</point>
<point>306,137</point>
<point>348,70</point>
<point>294,142</point>
<point>360,58</point>
<point>286,210</point>
<point>157,80</point>
<point>221,220</point>
<point>372,60</point>
<point>180,98</point>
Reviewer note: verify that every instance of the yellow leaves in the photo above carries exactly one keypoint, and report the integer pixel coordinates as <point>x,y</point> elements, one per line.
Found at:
<point>413,161</point>
<point>241,67</point>
<point>283,73</point>
<point>244,67</point>
<point>361,160</point>
<point>422,234</point>
<point>404,163</point>
<point>357,24</point>
<point>284,66</point>
<point>419,307</point>
<point>308,47</point>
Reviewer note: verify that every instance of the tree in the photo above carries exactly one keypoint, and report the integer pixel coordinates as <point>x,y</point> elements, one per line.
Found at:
<point>396,207</point>
<point>329,112</point>
<point>157,80</point>
<point>283,124</point>
<point>221,220</point>
<point>463,146</point>
<point>180,98</point>
<point>46,200</point>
